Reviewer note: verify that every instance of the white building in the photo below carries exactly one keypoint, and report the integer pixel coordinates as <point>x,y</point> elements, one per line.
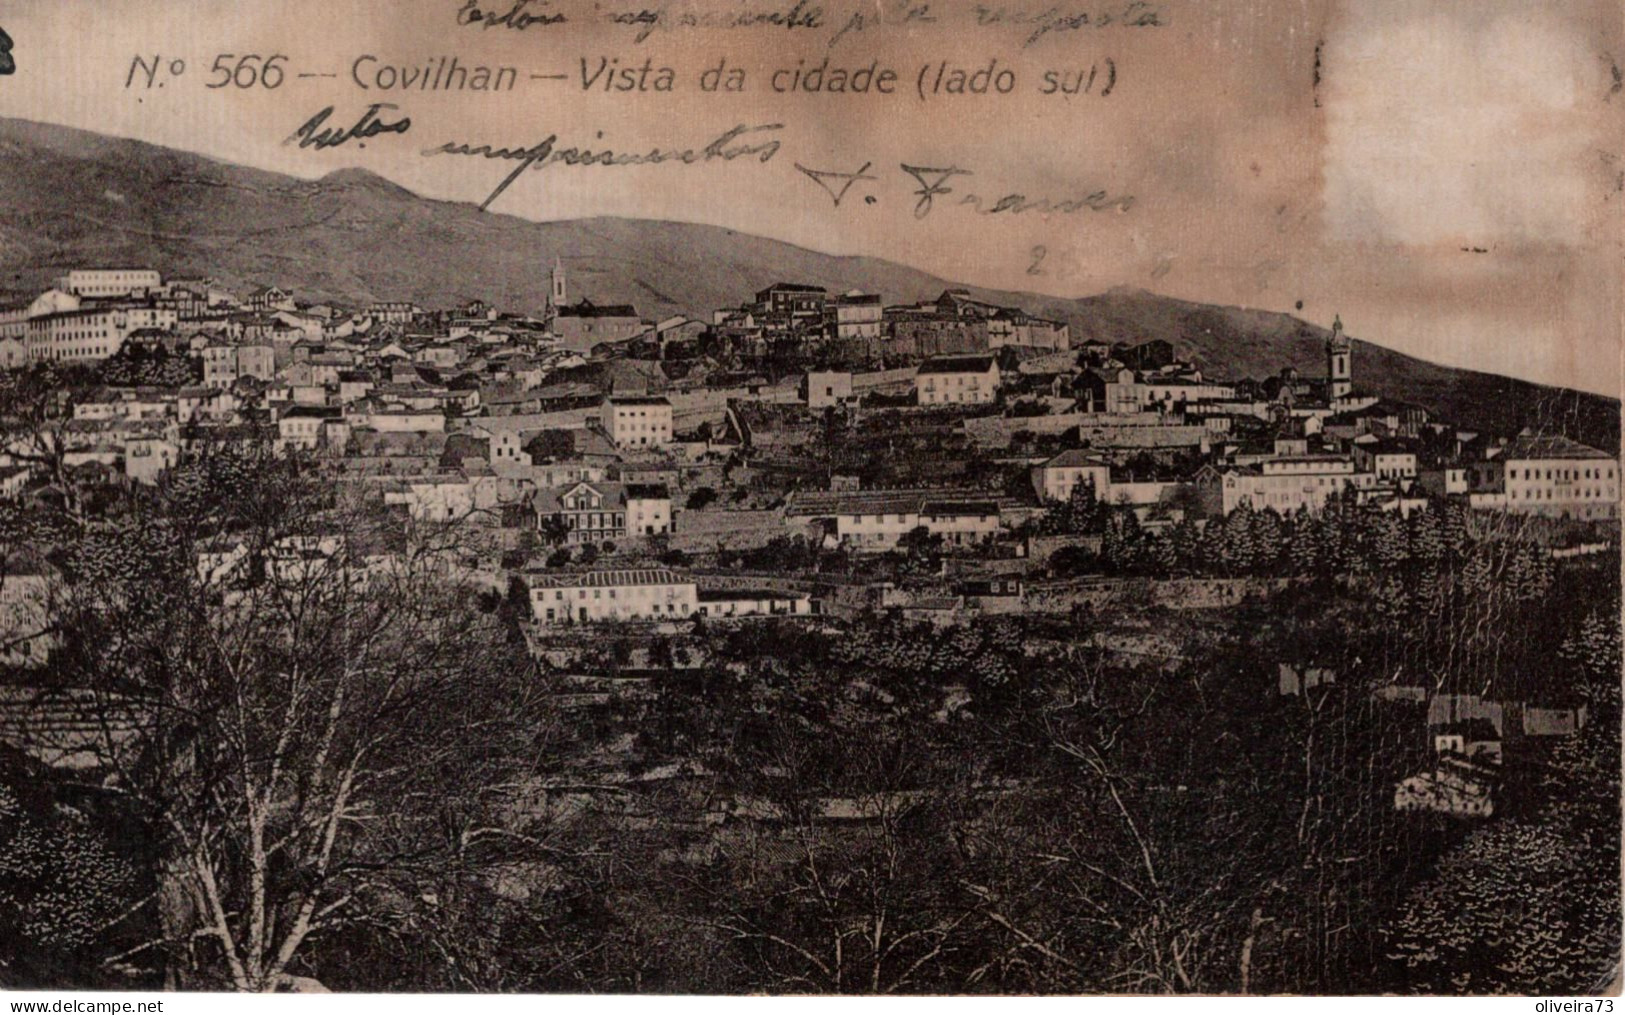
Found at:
<point>825,388</point>
<point>1177,392</point>
<point>312,426</point>
<point>648,509</point>
<point>961,524</point>
<point>508,448</point>
<point>1057,478</point>
<point>147,458</point>
<point>1284,484</point>
<point>76,335</point>
<point>111,282</point>
<point>637,421</point>
<point>623,594</point>
<point>957,380</point>
<point>870,522</point>
<point>398,420</point>
<point>1444,481</point>
<point>874,521</point>
<point>1558,478</point>
<point>856,315</point>
<point>223,364</point>
<point>754,603</point>
<point>1388,459</point>
<point>435,500</point>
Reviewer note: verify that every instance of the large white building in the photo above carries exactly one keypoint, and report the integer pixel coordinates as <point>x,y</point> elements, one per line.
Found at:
<point>637,421</point>
<point>875,521</point>
<point>1557,478</point>
<point>957,380</point>
<point>77,335</point>
<point>591,511</point>
<point>104,283</point>
<point>622,594</point>
<point>1285,484</point>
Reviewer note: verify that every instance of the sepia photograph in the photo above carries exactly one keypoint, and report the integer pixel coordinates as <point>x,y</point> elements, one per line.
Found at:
<point>746,498</point>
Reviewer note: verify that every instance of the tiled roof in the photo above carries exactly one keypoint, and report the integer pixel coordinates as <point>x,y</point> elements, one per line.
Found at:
<point>617,578</point>
<point>943,509</point>
<point>1073,458</point>
<point>1531,446</point>
<point>957,365</point>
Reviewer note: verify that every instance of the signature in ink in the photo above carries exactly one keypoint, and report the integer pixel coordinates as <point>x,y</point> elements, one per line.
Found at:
<point>826,179</point>
<point>516,17</point>
<point>933,184</point>
<point>314,134</point>
<point>726,147</point>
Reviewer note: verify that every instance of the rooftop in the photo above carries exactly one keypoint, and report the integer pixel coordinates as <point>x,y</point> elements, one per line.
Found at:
<point>957,365</point>
<point>947,509</point>
<point>587,308</point>
<point>1073,458</point>
<point>1536,447</point>
<point>617,578</point>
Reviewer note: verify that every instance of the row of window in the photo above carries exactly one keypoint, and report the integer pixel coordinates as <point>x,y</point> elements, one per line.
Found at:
<point>883,519</point>
<point>584,614</point>
<point>1581,493</point>
<point>1300,482</point>
<point>1589,473</point>
<point>669,591</point>
<point>596,520</point>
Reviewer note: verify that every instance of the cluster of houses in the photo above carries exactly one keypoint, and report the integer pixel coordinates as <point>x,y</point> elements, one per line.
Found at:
<point>865,330</point>
<point>626,451</point>
<point>591,426</point>
<point>1467,736</point>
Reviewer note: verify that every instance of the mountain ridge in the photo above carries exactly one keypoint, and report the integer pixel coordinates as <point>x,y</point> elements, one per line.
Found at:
<point>76,197</point>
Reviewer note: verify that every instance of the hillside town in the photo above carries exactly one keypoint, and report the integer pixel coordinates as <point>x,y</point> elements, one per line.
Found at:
<point>652,500</point>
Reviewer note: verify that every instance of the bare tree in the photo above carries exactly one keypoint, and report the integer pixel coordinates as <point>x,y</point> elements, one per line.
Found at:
<point>333,718</point>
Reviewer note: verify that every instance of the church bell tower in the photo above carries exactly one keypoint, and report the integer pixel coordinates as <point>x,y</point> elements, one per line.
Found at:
<point>1339,362</point>
<point>556,296</point>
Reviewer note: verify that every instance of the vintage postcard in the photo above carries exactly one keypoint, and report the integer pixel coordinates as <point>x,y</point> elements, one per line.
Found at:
<point>889,497</point>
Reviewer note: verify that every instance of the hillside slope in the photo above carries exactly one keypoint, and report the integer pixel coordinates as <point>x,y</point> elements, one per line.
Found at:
<point>76,198</point>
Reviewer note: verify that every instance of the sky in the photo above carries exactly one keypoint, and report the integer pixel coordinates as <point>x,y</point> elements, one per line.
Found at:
<point>1445,176</point>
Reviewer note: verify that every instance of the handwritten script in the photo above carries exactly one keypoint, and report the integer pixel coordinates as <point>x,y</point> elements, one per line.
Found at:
<point>314,133</point>
<point>737,142</point>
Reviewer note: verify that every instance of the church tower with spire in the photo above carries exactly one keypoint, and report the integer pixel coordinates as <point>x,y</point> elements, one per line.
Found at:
<point>1339,362</point>
<point>556,296</point>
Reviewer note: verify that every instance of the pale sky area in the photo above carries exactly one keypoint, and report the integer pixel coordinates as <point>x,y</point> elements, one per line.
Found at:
<point>1452,186</point>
